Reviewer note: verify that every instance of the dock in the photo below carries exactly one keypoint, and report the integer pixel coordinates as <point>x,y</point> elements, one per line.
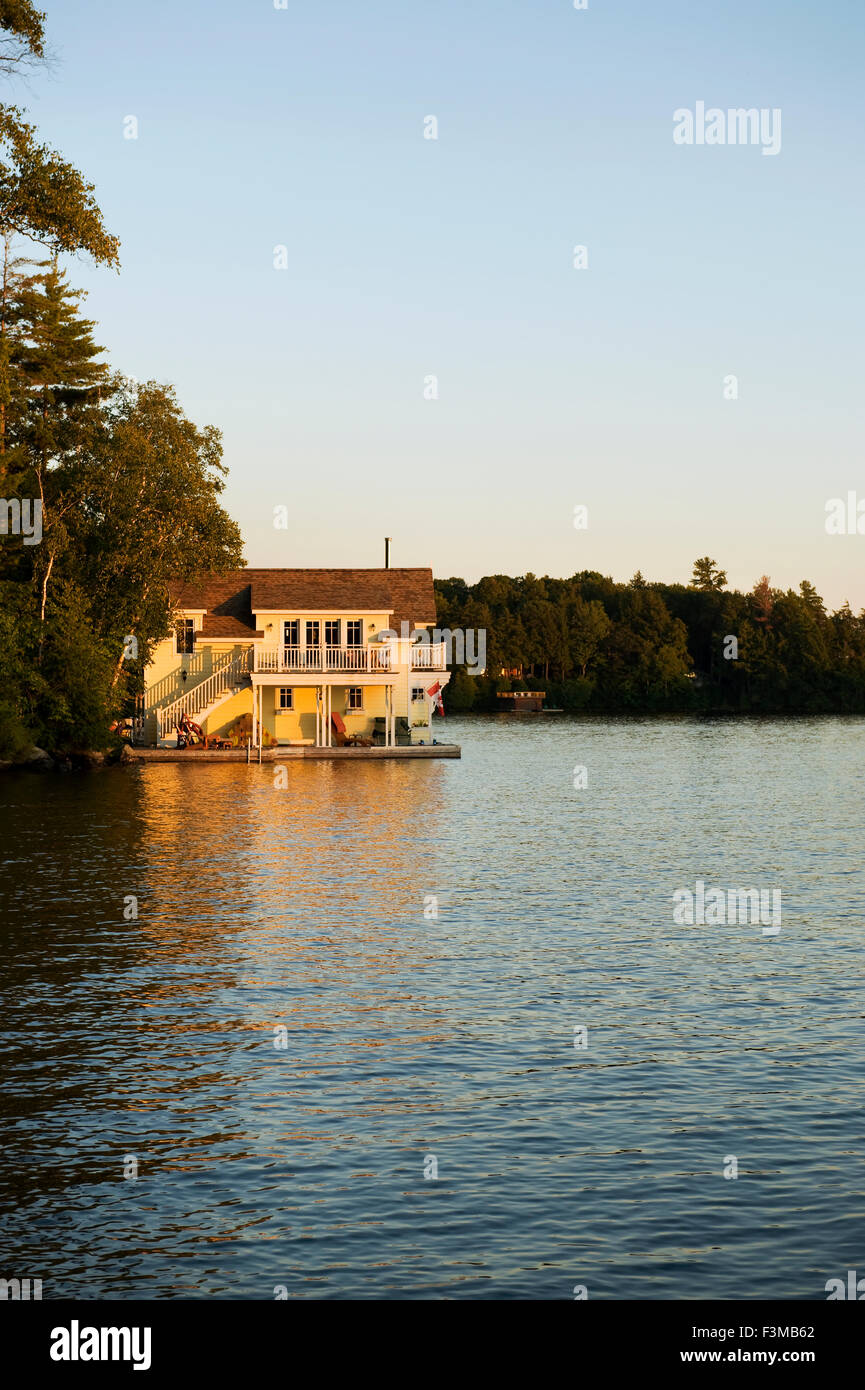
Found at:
<point>281,755</point>
<point>522,701</point>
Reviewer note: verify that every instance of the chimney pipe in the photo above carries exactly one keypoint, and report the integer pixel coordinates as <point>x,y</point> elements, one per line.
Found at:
<point>387,541</point>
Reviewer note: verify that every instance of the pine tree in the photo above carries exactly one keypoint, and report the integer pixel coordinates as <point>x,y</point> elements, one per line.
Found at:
<point>54,388</point>
<point>13,333</point>
<point>58,359</point>
<point>707,576</point>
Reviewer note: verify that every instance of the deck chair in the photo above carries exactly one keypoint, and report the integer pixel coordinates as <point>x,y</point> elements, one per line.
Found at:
<point>343,738</point>
<point>189,734</point>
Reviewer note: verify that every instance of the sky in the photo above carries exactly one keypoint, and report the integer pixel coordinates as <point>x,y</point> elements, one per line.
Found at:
<point>408,258</point>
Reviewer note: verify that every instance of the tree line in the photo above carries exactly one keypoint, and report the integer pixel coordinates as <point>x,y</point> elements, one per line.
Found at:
<point>119,488</point>
<point>596,645</point>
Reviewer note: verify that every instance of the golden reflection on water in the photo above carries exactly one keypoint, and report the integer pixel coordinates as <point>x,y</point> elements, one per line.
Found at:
<point>286,891</point>
<point>337,835</point>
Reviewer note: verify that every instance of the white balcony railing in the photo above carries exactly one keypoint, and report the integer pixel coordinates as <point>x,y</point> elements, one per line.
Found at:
<point>281,659</point>
<point>385,656</point>
<point>428,656</point>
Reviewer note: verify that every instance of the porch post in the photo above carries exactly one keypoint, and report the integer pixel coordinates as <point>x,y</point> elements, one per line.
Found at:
<point>254,703</point>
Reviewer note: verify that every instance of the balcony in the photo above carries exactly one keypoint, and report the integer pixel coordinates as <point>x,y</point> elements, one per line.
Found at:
<point>377,657</point>
<point>428,656</point>
<point>301,659</point>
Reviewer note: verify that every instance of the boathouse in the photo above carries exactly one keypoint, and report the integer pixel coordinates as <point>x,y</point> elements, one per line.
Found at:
<point>299,658</point>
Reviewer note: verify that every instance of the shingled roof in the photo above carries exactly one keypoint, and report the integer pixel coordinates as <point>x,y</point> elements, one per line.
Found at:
<point>318,590</point>
<point>230,601</point>
<point>221,625</point>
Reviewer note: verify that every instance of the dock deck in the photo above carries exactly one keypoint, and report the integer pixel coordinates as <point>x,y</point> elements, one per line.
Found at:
<point>281,755</point>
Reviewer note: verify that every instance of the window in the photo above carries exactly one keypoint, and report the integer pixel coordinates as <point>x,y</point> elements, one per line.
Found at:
<point>184,631</point>
<point>286,699</point>
<point>354,697</point>
<point>291,633</point>
<point>332,633</point>
<point>353,632</point>
<point>313,634</point>
<point>417,692</point>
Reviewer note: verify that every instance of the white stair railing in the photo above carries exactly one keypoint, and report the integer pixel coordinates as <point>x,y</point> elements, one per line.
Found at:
<point>197,668</point>
<point>229,674</point>
<point>169,685</point>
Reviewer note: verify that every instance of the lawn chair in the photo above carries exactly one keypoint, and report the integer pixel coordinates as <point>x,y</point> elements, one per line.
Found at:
<point>343,738</point>
<point>189,734</point>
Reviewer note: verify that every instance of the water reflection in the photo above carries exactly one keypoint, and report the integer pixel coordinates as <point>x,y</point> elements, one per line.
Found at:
<point>281,1037</point>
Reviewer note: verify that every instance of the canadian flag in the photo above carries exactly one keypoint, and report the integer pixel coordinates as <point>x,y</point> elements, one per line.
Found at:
<point>435,694</point>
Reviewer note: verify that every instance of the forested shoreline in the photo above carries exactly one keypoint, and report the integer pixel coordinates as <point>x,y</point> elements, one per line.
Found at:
<point>107,490</point>
<point>596,645</point>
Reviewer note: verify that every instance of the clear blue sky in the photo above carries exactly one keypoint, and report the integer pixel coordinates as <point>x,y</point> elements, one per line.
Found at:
<point>410,257</point>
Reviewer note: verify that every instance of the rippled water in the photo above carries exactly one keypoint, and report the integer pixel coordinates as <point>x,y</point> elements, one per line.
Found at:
<point>410,1038</point>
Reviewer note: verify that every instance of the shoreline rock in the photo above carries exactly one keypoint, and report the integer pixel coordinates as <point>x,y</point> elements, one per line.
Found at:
<point>36,759</point>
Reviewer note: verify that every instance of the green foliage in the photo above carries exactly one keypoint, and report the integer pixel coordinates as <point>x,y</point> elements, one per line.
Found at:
<point>130,491</point>
<point>587,626</point>
<point>573,695</point>
<point>128,486</point>
<point>21,685</point>
<point>23,33</point>
<point>599,646</point>
<point>146,512</point>
<point>45,199</point>
<point>461,692</point>
<point>707,576</point>
<point>76,666</point>
<point>48,375</point>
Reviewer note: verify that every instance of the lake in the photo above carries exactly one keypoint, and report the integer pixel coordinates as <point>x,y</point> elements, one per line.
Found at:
<point>430,1029</point>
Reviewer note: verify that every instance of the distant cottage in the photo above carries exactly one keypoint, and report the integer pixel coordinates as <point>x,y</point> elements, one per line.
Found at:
<point>521,701</point>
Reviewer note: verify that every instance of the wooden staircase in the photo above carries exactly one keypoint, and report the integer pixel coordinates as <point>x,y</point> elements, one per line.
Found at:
<point>204,698</point>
